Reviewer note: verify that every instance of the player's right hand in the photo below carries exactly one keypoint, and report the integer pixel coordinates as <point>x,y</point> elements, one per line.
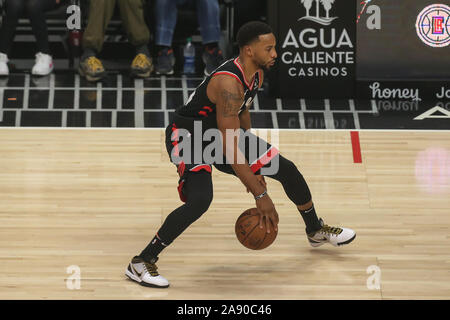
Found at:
<point>267,213</point>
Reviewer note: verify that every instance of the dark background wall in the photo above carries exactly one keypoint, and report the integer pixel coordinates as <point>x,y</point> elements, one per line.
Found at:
<point>396,51</point>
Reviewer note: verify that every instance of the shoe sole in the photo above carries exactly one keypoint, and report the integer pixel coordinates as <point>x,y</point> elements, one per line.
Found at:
<point>41,74</point>
<point>142,283</point>
<point>315,245</point>
<point>88,77</point>
<point>340,244</point>
<point>165,73</point>
<point>141,75</point>
<point>347,242</point>
<point>136,73</point>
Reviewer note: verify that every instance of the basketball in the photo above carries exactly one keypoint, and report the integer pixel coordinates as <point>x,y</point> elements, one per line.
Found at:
<point>250,234</point>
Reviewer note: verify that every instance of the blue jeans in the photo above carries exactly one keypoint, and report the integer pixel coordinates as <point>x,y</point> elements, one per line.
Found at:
<point>166,20</point>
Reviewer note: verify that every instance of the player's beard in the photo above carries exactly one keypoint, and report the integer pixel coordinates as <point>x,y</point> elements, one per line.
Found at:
<point>267,66</point>
<point>264,65</point>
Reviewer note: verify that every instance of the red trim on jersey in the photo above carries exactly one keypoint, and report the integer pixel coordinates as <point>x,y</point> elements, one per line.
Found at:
<point>203,113</point>
<point>175,141</point>
<point>264,159</point>
<point>253,82</point>
<point>205,167</point>
<point>181,168</point>
<point>236,62</point>
<point>208,108</point>
<point>229,74</point>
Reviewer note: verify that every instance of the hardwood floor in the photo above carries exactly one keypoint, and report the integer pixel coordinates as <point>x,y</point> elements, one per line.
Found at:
<point>94,198</point>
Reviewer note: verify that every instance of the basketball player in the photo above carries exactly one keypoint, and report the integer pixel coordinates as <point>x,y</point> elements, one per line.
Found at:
<point>222,101</point>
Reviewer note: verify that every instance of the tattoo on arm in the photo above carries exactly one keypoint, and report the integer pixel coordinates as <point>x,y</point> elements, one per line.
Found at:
<point>231,102</point>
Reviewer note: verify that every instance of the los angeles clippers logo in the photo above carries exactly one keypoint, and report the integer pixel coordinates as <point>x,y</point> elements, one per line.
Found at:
<point>433,25</point>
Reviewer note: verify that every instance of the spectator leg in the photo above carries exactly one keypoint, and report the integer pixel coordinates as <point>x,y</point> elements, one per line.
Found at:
<point>36,12</point>
<point>100,14</point>
<point>208,14</point>
<point>166,20</point>
<point>132,13</point>
<point>14,9</point>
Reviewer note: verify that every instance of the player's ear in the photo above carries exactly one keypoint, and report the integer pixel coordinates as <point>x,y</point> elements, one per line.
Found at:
<point>248,50</point>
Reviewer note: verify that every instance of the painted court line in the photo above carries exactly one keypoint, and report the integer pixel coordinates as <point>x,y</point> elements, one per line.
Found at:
<point>356,146</point>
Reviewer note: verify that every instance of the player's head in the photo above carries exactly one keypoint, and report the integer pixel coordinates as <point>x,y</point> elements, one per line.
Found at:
<point>257,42</point>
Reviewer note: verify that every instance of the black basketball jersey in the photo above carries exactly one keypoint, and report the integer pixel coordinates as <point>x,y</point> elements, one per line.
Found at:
<point>199,107</point>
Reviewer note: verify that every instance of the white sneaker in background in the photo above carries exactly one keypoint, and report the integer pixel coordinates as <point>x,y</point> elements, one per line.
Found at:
<point>43,65</point>
<point>4,71</point>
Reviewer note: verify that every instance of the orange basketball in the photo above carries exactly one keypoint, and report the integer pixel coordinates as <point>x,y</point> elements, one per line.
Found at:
<point>250,234</point>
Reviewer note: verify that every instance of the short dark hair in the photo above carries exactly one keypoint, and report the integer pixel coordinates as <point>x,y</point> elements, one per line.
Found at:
<point>250,32</point>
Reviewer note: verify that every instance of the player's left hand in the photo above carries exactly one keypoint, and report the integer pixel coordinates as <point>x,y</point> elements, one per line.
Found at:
<point>261,180</point>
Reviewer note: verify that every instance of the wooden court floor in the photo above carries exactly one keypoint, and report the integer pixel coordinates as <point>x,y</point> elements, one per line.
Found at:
<point>94,198</point>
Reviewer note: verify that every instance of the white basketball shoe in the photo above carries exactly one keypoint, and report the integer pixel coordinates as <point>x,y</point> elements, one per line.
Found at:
<point>43,65</point>
<point>333,235</point>
<point>4,71</point>
<point>145,273</point>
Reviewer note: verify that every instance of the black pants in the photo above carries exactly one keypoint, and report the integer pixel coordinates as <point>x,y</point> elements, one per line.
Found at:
<point>196,187</point>
<point>35,11</point>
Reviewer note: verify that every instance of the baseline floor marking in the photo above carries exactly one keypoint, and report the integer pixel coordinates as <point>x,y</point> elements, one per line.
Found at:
<point>274,119</point>
<point>76,95</point>
<point>256,103</point>
<point>99,96</point>
<point>301,113</point>
<point>139,103</point>
<point>355,113</point>
<point>119,92</point>
<point>281,130</point>
<point>185,89</point>
<point>328,115</point>
<point>164,100</point>
<point>51,92</point>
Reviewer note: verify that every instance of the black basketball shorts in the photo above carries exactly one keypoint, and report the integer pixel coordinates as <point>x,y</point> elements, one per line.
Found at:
<point>258,153</point>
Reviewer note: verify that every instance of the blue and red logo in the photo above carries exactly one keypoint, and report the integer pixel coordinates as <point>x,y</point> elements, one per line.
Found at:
<point>433,25</point>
